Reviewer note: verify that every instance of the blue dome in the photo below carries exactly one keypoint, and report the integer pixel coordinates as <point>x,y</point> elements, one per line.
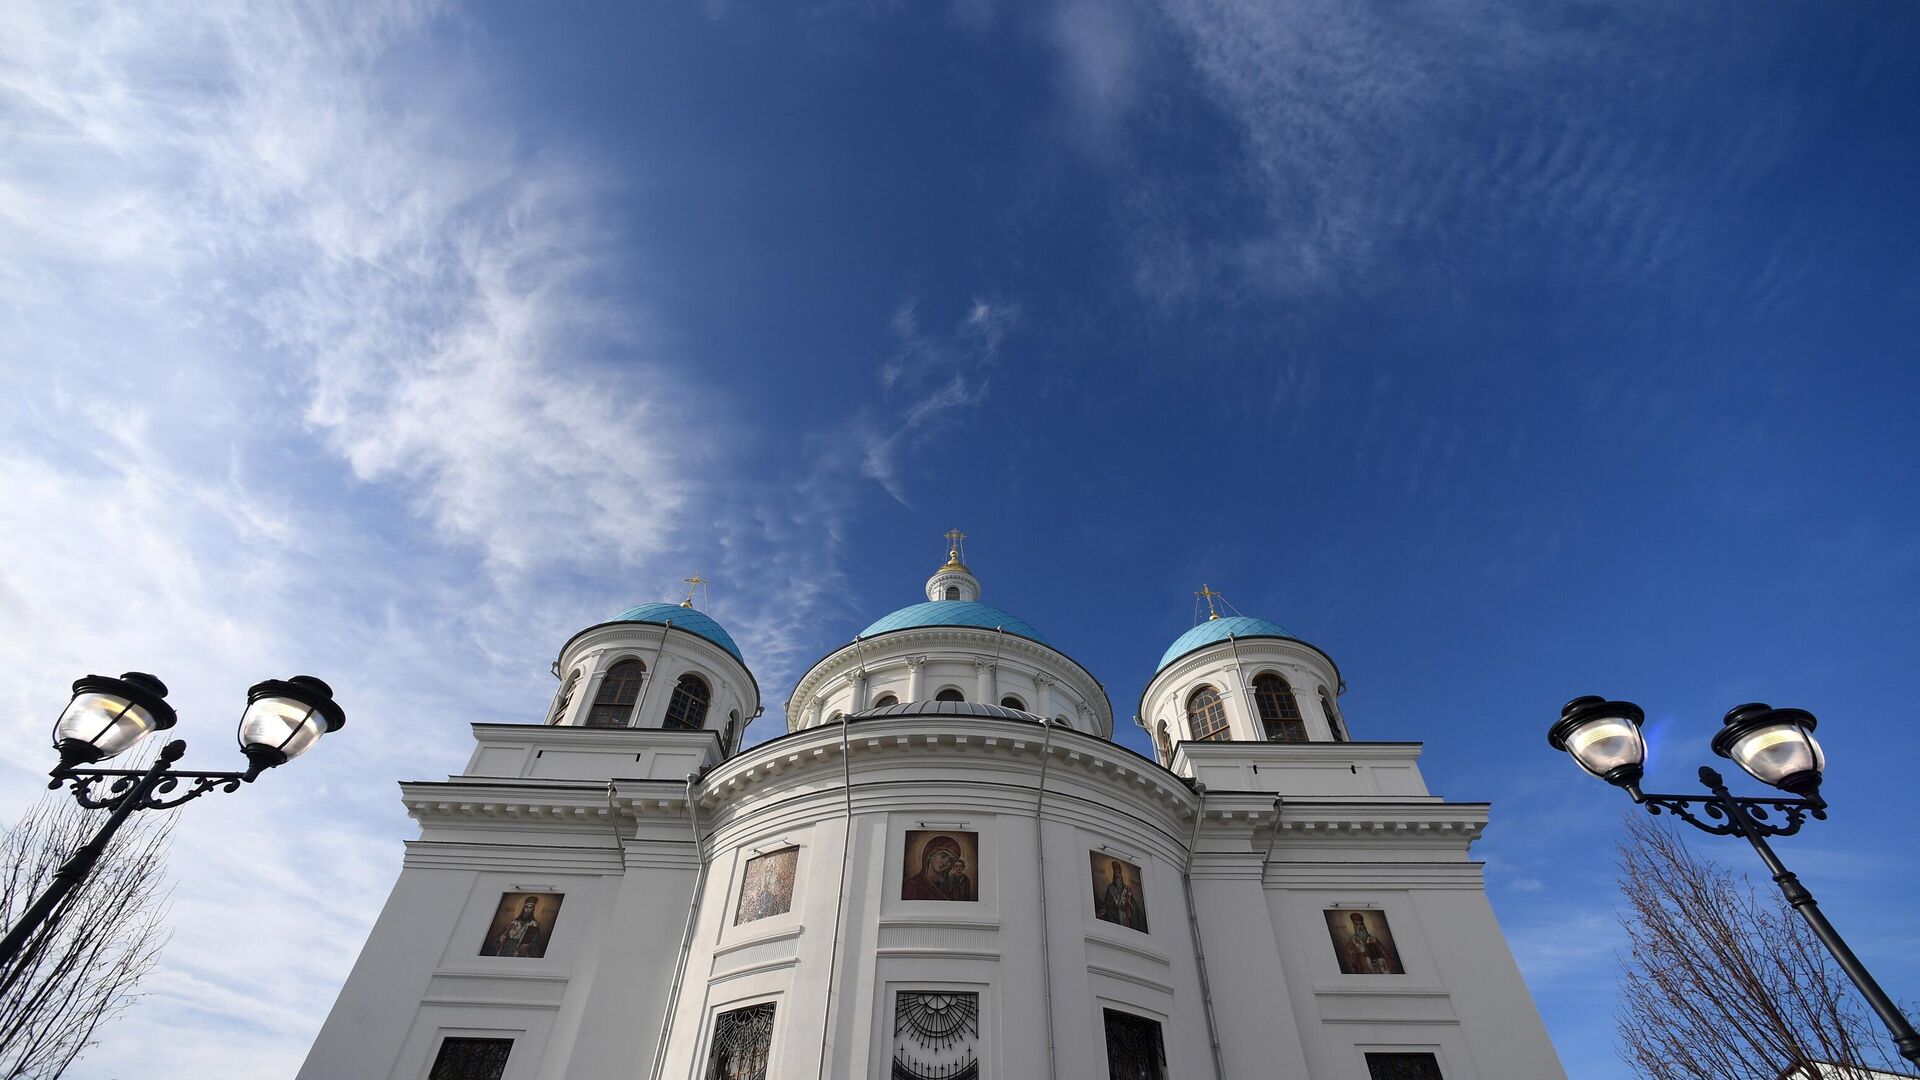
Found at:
<point>1240,626</point>
<point>955,613</point>
<point>683,618</point>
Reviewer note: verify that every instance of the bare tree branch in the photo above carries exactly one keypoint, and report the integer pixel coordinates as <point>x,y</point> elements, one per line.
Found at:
<point>1723,983</point>
<point>84,965</point>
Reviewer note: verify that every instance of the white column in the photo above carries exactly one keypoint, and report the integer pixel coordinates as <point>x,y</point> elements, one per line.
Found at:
<point>916,678</point>
<point>1043,695</point>
<point>983,681</point>
<point>859,681</point>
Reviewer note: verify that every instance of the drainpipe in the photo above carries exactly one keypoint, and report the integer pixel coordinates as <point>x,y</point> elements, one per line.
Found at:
<point>1246,692</point>
<point>646,684</point>
<point>839,916</point>
<point>1193,924</point>
<point>686,936</point>
<point>1040,853</point>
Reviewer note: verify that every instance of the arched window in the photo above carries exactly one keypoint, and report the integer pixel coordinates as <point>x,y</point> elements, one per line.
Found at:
<point>1279,712</point>
<point>1166,744</point>
<point>1011,702</point>
<point>885,700</point>
<point>953,592</point>
<point>613,703</point>
<point>1061,721</point>
<point>1206,716</point>
<point>1334,722</point>
<point>949,694</point>
<point>688,708</point>
<point>565,699</point>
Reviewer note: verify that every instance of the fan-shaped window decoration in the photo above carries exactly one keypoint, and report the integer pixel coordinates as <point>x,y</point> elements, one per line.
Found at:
<point>619,689</point>
<point>688,707</point>
<point>936,1036</point>
<point>1279,712</point>
<point>953,592</point>
<point>1011,702</point>
<point>565,699</point>
<point>1206,716</point>
<point>1338,726</point>
<point>885,700</point>
<point>742,1041</point>
<point>949,694</point>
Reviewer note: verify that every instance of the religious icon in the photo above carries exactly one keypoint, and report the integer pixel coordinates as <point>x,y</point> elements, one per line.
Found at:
<point>1117,895</point>
<point>936,1036</point>
<point>1362,942</point>
<point>937,864</point>
<point>766,886</point>
<point>522,924</point>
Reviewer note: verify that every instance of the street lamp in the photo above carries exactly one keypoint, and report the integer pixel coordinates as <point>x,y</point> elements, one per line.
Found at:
<point>107,717</point>
<point>1775,747</point>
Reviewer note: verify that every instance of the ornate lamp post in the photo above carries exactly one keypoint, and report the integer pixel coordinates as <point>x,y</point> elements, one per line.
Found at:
<point>1775,747</point>
<point>283,719</point>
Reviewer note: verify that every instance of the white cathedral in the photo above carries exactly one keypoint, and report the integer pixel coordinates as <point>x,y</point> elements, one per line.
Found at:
<point>946,869</point>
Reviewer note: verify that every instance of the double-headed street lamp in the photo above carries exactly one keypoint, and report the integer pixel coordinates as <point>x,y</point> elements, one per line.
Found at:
<point>1776,747</point>
<point>106,717</point>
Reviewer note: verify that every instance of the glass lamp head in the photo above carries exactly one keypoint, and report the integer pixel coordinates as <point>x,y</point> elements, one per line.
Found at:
<point>108,716</point>
<point>1604,738</point>
<point>285,717</point>
<point>1774,746</point>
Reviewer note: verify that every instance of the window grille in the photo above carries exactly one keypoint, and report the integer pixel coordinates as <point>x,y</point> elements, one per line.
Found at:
<point>471,1059</point>
<point>613,702</point>
<point>1134,1048</point>
<point>688,707</point>
<point>936,1036</point>
<point>1207,716</point>
<point>1398,1066</point>
<point>1279,712</point>
<point>742,1041</point>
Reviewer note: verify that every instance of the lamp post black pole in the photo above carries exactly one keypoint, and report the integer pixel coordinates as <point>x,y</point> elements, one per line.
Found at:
<point>80,864</point>
<point>1802,900</point>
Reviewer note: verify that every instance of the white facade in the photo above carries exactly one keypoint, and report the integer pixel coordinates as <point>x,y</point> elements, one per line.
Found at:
<point>1247,853</point>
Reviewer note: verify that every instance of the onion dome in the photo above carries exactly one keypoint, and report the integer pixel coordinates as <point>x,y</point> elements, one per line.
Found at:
<point>681,617</point>
<point>1217,629</point>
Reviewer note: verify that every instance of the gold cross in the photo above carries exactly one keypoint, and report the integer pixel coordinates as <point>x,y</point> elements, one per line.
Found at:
<point>1209,594</point>
<point>693,583</point>
<point>954,536</point>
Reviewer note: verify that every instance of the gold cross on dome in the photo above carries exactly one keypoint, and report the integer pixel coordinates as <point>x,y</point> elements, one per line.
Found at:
<point>1208,594</point>
<point>954,536</point>
<point>693,585</point>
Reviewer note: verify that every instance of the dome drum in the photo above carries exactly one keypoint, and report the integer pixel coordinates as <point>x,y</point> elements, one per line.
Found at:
<point>655,666</point>
<point>1268,688</point>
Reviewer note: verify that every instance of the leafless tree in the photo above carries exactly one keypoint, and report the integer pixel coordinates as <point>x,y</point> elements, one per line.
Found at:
<point>84,965</point>
<point>1724,982</point>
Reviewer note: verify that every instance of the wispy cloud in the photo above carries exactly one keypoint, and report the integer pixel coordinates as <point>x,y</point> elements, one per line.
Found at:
<point>316,372</point>
<point>929,379</point>
<point>1367,133</point>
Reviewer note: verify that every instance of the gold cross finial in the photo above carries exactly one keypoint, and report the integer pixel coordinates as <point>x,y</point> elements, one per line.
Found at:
<point>1208,594</point>
<point>954,536</point>
<point>693,584</point>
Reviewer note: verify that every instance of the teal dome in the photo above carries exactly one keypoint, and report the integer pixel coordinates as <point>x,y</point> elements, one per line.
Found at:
<point>955,613</point>
<point>1240,626</point>
<point>682,618</point>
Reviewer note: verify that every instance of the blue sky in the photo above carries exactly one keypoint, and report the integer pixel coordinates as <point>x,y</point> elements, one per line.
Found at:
<point>1508,352</point>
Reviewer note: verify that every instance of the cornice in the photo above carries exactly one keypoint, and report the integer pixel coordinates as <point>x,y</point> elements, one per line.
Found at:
<point>968,643</point>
